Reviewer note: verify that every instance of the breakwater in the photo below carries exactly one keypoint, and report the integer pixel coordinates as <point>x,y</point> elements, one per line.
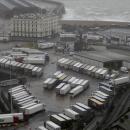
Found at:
<point>94,23</point>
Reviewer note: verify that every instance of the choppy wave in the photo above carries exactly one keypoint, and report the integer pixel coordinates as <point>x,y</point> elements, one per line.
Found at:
<point>110,10</point>
<point>91,15</point>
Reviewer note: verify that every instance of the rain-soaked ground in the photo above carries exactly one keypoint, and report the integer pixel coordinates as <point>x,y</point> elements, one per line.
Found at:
<point>54,103</point>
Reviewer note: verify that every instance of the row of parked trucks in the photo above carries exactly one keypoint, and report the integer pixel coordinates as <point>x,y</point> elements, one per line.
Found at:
<point>83,68</point>
<point>65,84</point>
<point>24,101</point>
<point>69,118</point>
<point>17,67</point>
<point>99,100</point>
<point>28,105</point>
<point>11,119</point>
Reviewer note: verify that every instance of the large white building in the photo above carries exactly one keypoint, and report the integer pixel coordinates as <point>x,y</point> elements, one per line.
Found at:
<point>35,25</point>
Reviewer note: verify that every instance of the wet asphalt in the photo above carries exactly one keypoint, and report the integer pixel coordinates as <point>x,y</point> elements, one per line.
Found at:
<point>54,103</point>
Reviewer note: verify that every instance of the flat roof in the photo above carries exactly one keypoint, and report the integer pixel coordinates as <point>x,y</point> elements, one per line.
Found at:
<point>119,30</point>
<point>103,56</point>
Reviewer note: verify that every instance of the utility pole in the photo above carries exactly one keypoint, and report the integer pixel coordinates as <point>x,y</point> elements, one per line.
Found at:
<point>11,102</point>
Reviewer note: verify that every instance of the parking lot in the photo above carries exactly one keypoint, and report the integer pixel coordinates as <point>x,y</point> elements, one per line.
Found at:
<point>54,103</point>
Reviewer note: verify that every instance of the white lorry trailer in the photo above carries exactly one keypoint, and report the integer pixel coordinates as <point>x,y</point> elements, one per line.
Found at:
<point>77,90</point>
<point>58,120</point>
<point>41,128</point>
<point>106,90</point>
<point>121,80</point>
<point>34,109</point>
<point>65,89</point>
<point>97,73</point>
<point>103,74</point>
<point>59,87</point>
<point>52,126</point>
<point>72,114</point>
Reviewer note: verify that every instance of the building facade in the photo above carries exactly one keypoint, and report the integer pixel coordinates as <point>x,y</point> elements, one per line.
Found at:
<point>68,40</point>
<point>35,26</point>
<point>117,38</point>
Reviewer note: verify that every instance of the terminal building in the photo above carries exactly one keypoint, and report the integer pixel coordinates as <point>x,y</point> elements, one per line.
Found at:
<point>105,59</point>
<point>68,40</point>
<point>117,38</point>
<point>34,26</point>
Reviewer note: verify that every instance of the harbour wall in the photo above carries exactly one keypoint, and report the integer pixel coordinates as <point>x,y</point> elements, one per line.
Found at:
<point>94,23</point>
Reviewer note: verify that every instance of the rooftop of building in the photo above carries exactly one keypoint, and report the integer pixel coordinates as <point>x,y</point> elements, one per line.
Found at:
<point>122,31</point>
<point>103,56</point>
<point>12,4</point>
<point>33,15</point>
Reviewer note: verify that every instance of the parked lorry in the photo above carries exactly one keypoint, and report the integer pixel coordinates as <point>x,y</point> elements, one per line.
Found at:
<point>29,104</point>
<point>74,83</point>
<point>71,80</point>
<point>110,86</point>
<point>16,91</point>
<point>68,120</point>
<point>52,126</point>
<point>58,120</point>
<point>102,93</point>
<point>95,103</point>
<point>25,98</point>
<point>67,79</point>
<point>94,71</point>
<point>34,109</point>
<point>100,96</point>
<point>72,64</point>
<point>19,98</point>
<point>79,110</point>
<point>103,74</point>
<point>65,117</point>
<point>16,88</point>
<point>62,77</point>
<point>41,128</point>
<point>56,73</point>
<point>81,70</point>
<point>66,66</point>
<point>72,114</point>
<point>65,89</point>
<point>80,81</point>
<point>77,90</point>
<point>89,114</point>
<point>120,81</point>
<point>59,87</point>
<point>86,69</point>
<point>90,70</point>
<point>97,73</point>
<point>50,83</point>
<point>10,119</point>
<point>83,106</point>
<point>85,84</point>
<point>26,102</point>
<point>106,90</point>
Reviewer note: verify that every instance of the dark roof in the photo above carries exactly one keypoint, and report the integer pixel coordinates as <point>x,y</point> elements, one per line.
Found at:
<point>104,56</point>
<point>124,125</point>
<point>118,31</point>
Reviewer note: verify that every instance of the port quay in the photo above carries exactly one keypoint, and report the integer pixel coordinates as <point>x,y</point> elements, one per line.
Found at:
<point>58,74</point>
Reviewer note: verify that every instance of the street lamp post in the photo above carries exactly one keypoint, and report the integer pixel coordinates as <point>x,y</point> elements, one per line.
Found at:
<point>11,103</point>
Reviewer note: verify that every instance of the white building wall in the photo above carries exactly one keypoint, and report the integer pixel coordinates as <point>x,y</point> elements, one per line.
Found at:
<point>35,26</point>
